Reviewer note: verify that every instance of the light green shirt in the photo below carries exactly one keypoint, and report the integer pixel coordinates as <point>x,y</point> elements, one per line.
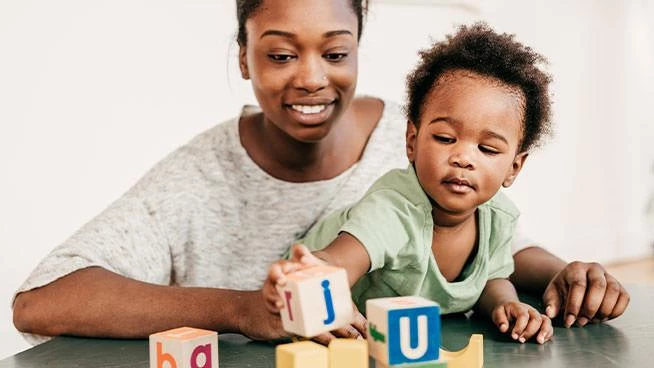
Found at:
<point>393,222</point>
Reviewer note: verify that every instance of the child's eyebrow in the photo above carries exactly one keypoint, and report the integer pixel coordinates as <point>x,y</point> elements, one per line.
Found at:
<point>484,133</point>
<point>492,134</point>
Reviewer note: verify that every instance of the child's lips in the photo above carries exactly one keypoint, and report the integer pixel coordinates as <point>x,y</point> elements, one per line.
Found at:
<point>458,186</point>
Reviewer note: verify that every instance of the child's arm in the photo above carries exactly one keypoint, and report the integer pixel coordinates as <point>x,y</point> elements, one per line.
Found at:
<point>499,301</point>
<point>345,251</point>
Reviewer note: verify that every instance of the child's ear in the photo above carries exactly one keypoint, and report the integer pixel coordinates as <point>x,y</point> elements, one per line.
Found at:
<point>518,163</point>
<point>411,136</point>
<point>243,62</point>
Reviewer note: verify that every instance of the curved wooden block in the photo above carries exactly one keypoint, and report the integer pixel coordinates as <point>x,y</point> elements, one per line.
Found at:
<point>472,356</point>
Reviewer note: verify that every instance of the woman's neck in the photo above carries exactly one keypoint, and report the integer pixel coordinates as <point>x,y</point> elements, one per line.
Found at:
<point>291,160</point>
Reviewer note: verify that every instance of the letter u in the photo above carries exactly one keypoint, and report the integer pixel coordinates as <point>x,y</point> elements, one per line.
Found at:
<point>407,335</point>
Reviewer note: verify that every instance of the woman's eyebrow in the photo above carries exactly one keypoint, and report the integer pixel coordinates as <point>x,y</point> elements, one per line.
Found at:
<point>276,32</point>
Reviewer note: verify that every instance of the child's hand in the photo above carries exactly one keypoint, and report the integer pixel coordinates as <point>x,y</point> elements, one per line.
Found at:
<point>526,321</point>
<point>301,257</point>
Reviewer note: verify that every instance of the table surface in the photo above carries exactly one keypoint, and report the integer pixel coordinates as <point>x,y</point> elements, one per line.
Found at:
<point>627,341</point>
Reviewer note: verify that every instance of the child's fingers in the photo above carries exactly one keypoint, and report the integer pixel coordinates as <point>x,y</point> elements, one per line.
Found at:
<point>276,273</point>
<point>300,253</point>
<point>521,317</point>
<point>324,338</point>
<point>500,318</point>
<point>360,322</point>
<point>535,321</point>
<point>546,330</point>
<point>289,266</point>
<point>347,332</point>
<point>272,300</point>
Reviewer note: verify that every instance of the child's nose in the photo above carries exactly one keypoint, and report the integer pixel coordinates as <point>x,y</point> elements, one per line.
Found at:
<point>462,158</point>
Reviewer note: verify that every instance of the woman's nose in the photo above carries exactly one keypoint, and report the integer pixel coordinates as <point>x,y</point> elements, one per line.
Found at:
<point>310,75</point>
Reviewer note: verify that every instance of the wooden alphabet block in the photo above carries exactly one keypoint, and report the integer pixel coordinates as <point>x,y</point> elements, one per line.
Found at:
<point>304,354</point>
<point>430,364</point>
<point>348,353</point>
<point>472,356</point>
<point>403,330</point>
<point>316,300</point>
<point>184,347</point>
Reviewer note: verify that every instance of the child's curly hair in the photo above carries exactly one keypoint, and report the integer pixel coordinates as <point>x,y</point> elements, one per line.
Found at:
<point>479,49</point>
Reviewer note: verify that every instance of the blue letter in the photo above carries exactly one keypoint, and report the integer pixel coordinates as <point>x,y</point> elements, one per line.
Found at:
<point>328,302</point>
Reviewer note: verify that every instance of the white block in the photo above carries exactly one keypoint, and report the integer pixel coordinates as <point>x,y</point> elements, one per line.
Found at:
<point>316,300</point>
<point>184,347</point>
<point>403,330</point>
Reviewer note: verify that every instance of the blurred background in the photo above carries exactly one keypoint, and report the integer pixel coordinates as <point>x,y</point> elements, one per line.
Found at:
<point>93,93</point>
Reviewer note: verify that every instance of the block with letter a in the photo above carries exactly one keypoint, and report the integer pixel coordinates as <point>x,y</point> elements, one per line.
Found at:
<point>316,300</point>
<point>403,330</point>
<point>184,347</point>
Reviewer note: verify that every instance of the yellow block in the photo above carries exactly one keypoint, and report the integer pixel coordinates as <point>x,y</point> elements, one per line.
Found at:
<point>472,356</point>
<point>348,353</point>
<point>304,354</point>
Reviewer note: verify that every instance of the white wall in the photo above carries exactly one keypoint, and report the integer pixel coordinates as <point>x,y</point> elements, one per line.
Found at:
<point>92,93</point>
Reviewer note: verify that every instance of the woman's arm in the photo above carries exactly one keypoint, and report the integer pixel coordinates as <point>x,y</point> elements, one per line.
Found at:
<point>96,302</point>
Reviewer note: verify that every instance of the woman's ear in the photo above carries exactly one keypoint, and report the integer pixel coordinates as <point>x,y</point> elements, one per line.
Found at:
<point>243,62</point>
<point>516,166</point>
<point>411,137</point>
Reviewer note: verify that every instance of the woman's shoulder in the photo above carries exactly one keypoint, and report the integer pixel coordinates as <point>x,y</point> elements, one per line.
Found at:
<point>377,106</point>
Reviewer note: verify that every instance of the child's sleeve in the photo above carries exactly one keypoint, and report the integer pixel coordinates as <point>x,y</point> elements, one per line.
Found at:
<point>385,224</point>
<point>501,255</point>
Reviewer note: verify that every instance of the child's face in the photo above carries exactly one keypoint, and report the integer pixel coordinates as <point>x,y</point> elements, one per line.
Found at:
<point>467,142</point>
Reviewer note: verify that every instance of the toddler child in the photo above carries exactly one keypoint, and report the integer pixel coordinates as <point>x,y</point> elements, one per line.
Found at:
<point>477,104</point>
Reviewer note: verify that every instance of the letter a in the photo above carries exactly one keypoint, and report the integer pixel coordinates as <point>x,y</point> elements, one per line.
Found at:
<point>204,350</point>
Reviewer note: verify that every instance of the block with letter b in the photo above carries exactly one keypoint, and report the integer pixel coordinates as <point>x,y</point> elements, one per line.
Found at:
<point>184,347</point>
<point>403,330</point>
<point>316,300</point>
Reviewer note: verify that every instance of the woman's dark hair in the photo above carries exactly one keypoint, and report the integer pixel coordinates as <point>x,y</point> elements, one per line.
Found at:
<point>247,8</point>
<point>479,49</point>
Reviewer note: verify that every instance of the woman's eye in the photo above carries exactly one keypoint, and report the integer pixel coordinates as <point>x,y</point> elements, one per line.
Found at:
<point>335,56</point>
<point>444,139</point>
<point>488,150</point>
<point>280,58</point>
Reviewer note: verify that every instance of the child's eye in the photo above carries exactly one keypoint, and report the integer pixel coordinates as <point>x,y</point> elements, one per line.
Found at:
<point>488,150</point>
<point>444,139</point>
<point>280,58</point>
<point>335,56</point>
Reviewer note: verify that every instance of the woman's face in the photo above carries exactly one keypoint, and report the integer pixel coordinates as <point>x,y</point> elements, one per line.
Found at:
<point>301,56</point>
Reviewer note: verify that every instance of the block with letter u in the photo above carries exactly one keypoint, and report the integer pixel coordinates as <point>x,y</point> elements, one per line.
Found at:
<point>403,329</point>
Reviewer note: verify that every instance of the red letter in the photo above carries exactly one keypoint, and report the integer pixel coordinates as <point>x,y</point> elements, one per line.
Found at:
<point>288,304</point>
<point>201,349</point>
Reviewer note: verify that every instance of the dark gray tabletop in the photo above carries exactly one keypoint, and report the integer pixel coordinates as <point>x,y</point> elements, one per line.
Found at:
<point>625,342</point>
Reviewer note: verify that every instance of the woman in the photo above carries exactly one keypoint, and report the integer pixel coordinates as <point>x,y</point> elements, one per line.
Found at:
<point>190,243</point>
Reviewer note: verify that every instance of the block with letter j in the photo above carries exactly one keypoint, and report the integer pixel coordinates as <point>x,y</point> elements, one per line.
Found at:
<point>403,330</point>
<point>316,300</point>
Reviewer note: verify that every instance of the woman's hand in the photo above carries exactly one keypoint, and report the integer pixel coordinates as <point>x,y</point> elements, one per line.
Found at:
<point>585,292</point>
